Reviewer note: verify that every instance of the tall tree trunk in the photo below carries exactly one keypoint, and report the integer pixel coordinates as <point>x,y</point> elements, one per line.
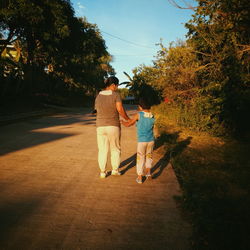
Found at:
<point>29,67</point>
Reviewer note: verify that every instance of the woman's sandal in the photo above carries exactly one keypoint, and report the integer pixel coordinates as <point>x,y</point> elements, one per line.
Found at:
<point>139,181</point>
<point>148,176</point>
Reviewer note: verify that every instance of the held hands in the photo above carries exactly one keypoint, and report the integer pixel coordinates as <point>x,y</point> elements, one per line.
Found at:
<point>130,122</point>
<point>125,123</point>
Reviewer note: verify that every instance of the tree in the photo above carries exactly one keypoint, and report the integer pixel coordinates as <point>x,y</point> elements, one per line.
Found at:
<point>51,37</point>
<point>141,84</point>
<point>176,69</point>
<point>219,31</point>
<point>207,76</point>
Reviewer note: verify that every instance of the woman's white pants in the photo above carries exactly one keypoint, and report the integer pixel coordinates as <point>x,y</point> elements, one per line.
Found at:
<point>108,137</point>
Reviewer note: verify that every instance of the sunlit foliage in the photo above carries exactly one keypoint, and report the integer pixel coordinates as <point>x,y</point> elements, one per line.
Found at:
<point>205,79</point>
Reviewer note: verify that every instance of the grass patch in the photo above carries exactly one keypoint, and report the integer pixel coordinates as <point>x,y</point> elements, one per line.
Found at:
<point>214,176</point>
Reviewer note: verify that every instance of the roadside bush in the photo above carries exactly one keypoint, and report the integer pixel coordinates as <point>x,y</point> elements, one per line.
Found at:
<point>195,115</point>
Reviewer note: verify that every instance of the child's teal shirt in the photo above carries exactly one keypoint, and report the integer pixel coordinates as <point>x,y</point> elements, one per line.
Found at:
<point>145,126</point>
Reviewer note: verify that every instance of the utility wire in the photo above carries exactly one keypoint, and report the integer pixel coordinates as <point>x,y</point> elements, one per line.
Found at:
<point>134,55</point>
<point>136,44</point>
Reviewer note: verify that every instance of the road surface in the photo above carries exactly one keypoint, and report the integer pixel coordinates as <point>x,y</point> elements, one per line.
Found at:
<point>52,197</point>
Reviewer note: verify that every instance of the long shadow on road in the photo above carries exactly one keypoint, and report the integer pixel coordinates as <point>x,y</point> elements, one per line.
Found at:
<point>13,215</point>
<point>23,134</point>
<point>176,149</point>
<point>35,138</point>
<point>130,162</point>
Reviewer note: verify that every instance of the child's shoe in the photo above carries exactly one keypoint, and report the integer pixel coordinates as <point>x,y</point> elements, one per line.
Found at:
<point>148,174</point>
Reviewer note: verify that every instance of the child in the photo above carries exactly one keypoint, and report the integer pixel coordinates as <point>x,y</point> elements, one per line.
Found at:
<point>144,122</point>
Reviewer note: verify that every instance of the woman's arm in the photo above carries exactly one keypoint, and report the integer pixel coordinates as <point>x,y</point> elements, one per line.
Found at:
<point>121,110</point>
<point>131,121</point>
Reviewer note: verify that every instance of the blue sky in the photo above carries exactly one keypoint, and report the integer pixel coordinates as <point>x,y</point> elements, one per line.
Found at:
<point>143,22</point>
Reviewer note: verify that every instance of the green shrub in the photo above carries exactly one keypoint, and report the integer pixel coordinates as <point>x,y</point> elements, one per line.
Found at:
<point>200,115</point>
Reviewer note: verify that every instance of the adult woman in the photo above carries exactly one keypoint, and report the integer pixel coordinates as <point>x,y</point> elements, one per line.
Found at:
<point>109,106</point>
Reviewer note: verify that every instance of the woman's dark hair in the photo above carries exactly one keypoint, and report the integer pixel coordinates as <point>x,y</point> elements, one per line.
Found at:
<point>111,80</point>
<point>144,103</point>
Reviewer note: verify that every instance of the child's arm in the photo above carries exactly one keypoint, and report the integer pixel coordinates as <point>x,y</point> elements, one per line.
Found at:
<point>131,121</point>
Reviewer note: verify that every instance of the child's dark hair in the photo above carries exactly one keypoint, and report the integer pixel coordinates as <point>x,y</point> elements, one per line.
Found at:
<point>111,80</point>
<point>144,103</point>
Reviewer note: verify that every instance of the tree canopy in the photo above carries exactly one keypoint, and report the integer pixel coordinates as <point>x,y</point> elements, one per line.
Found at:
<point>207,76</point>
<point>51,39</point>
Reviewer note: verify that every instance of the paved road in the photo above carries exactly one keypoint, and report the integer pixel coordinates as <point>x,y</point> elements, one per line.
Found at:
<point>52,198</point>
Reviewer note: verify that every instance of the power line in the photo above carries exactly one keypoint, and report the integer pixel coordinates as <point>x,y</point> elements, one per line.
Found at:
<point>136,44</point>
<point>134,55</point>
